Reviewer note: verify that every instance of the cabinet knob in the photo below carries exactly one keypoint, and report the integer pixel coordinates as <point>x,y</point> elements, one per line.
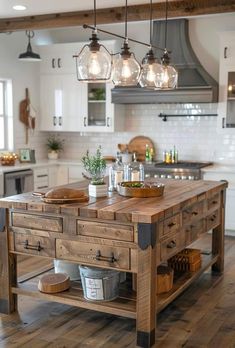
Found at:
<point>60,121</point>
<point>53,63</point>
<point>54,121</point>
<point>108,121</point>
<point>59,62</point>
<point>84,122</point>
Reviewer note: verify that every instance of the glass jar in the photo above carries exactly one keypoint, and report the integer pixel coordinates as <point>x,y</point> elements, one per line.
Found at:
<point>116,174</point>
<point>134,171</point>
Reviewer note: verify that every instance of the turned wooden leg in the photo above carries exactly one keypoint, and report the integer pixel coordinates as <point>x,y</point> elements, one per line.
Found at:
<point>7,269</point>
<point>146,285</point>
<point>218,238</point>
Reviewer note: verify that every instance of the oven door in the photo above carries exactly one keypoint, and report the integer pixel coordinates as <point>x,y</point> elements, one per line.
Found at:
<point>18,182</point>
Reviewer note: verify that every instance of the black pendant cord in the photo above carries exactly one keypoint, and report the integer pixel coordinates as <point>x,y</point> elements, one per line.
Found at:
<point>151,24</point>
<point>95,13</point>
<point>126,20</point>
<point>166,23</point>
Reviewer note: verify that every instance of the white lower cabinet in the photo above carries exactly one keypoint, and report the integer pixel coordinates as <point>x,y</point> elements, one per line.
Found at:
<point>1,185</point>
<point>230,195</point>
<point>41,178</point>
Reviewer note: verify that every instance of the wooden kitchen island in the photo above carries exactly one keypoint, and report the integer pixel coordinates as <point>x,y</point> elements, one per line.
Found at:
<point>132,235</point>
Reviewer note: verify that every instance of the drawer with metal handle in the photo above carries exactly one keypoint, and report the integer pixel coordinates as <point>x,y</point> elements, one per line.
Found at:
<point>193,213</point>
<point>37,222</point>
<point>213,203</point>
<point>193,231</point>
<point>34,245</point>
<point>170,225</point>
<point>93,254</point>
<point>213,220</point>
<point>172,245</point>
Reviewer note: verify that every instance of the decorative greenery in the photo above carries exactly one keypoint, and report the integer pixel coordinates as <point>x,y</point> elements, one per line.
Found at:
<point>54,143</point>
<point>95,166</point>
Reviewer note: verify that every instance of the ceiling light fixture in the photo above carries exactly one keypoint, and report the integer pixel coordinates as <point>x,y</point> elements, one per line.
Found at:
<point>19,8</point>
<point>29,55</point>
<point>170,74</point>
<point>94,62</point>
<point>152,73</point>
<point>126,69</point>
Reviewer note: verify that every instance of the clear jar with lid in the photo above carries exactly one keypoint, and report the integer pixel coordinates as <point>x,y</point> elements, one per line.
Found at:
<point>134,172</point>
<point>116,174</point>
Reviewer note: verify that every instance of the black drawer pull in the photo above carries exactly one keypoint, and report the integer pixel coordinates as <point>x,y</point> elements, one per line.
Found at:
<point>194,213</point>
<point>36,247</point>
<point>99,257</point>
<point>171,224</point>
<point>214,202</point>
<point>171,245</point>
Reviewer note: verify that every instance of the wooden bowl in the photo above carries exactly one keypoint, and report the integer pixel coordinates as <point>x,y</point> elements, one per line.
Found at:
<point>128,189</point>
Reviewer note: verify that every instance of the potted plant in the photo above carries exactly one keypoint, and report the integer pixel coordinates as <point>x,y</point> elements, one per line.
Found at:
<point>54,146</point>
<point>95,167</point>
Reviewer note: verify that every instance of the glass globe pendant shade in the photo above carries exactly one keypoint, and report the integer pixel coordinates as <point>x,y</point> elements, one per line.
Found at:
<point>152,73</point>
<point>94,62</point>
<point>126,69</point>
<point>170,77</point>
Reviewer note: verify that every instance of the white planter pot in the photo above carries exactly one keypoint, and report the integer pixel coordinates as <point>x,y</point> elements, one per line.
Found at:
<point>53,155</point>
<point>98,190</point>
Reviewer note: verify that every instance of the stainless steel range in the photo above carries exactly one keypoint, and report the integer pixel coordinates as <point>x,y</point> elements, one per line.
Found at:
<point>181,170</point>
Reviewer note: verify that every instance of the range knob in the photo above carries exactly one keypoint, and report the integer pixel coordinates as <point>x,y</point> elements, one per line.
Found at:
<point>191,177</point>
<point>147,175</point>
<point>169,176</point>
<point>177,177</point>
<point>162,176</point>
<point>184,177</point>
<point>156,176</point>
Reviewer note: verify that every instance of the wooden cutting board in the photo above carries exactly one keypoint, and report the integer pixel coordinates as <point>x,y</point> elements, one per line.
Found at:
<point>138,145</point>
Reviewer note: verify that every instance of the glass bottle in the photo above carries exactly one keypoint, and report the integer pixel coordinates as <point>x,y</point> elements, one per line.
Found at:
<point>147,153</point>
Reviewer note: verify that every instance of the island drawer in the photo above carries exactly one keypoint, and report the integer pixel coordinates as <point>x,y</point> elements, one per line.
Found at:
<point>213,220</point>
<point>172,245</point>
<point>37,222</point>
<point>91,253</point>
<point>170,225</point>
<point>193,231</point>
<point>34,245</point>
<point>103,230</point>
<point>192,213</point>
<point>213,203</point>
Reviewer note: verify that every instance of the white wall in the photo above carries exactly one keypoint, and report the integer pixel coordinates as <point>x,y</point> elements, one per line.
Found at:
<point>22,75</point>
<point>196,139</point>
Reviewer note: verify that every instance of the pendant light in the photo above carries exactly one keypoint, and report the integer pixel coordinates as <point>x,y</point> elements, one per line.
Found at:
<point>94,62</point>
<point>152,73</point>
<point>29,55</point>
<point>170,78</point>
<point>126,69</point>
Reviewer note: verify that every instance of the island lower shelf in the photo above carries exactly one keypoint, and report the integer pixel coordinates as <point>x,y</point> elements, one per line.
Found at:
<point>124,305</point>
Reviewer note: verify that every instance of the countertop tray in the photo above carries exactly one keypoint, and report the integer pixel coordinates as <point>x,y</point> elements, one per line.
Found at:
<point>147,190</point>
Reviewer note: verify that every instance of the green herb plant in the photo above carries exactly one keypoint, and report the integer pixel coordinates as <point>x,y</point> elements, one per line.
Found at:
<point>54,143</point>
<point>94,166</point>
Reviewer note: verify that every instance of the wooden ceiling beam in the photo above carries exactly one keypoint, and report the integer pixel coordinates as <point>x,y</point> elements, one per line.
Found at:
<point>176,8</point>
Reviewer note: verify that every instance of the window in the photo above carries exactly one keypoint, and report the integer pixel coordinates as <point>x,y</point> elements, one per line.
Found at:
<point>6,118</point>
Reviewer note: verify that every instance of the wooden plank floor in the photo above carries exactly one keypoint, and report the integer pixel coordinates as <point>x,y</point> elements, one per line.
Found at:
<point>203,316</point>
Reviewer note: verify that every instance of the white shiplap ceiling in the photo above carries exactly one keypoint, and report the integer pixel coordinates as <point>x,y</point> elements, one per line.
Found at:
<point>35,7</point>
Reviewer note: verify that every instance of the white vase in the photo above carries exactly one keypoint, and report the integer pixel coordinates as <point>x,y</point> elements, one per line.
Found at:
<point>98,190</point>
<point>53,155</point>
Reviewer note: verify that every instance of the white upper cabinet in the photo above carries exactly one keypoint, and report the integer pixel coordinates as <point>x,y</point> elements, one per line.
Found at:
<point>58,58</point>
<point>70,105</point>
<point>60,103</point>
<point>226,107</point>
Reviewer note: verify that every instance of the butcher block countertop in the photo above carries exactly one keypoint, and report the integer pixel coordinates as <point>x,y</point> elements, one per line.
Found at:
<point>131,235</point>
<point>115,207</point>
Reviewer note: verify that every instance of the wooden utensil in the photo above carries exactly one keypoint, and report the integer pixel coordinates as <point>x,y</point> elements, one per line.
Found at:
<point>138,145</point>
<point>24,114</point>
<point>52,283</point>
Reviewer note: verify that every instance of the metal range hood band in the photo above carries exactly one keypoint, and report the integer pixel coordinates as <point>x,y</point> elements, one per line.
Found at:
<point>195,85</point>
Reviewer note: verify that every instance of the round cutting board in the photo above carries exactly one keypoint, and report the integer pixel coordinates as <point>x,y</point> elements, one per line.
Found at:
<point>138,145</point>
<point>54,282</point>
